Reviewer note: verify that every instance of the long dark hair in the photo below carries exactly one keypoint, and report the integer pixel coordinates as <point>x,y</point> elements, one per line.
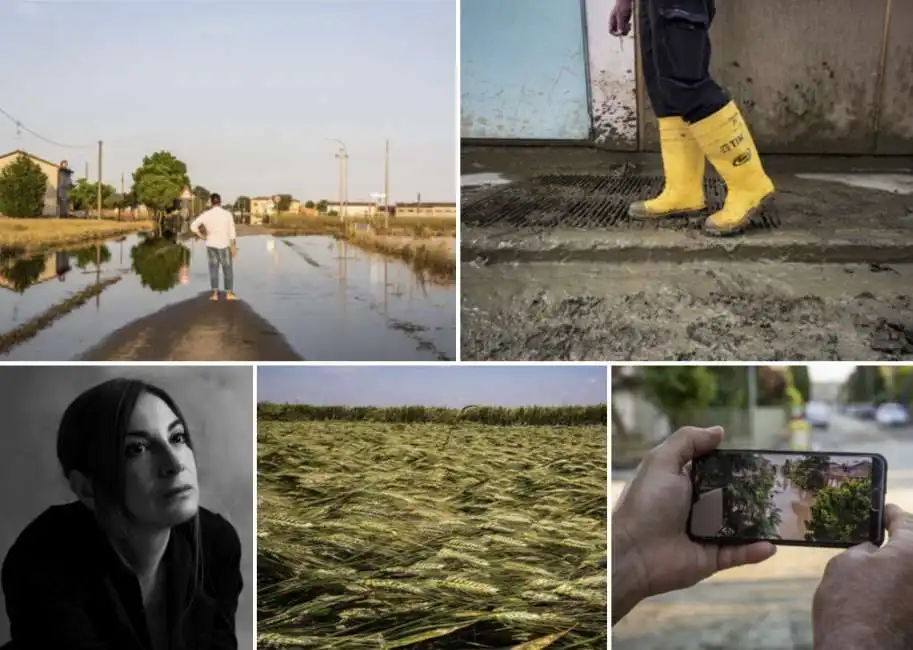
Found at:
<point>91,439</point>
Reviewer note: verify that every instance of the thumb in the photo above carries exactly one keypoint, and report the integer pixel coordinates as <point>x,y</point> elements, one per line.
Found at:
<point>685,445</point>
<point>728,557</point>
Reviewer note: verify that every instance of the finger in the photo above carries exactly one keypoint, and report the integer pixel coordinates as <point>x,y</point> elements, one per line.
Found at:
<point>864,548</point>
<point>728,557</point>
<point>895,518</point>
<point>685,445</point>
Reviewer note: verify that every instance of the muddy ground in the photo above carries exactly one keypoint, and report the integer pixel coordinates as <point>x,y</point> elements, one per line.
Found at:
<point>834,282</point>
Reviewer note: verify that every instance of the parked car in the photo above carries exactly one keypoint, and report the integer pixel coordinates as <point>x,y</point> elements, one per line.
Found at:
<point>818,414</point>
<point>890,414</point>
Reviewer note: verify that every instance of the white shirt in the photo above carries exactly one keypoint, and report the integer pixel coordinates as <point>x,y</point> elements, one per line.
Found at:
<point>219,224</point>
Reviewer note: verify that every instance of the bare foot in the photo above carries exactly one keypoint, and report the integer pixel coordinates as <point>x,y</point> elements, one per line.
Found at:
<point>230,296</point>
<point>215,296</point>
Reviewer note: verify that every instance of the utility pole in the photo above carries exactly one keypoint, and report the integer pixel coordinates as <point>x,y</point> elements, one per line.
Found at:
<point>343,155</point>
<point>387,187</point>
<point>99,179</point>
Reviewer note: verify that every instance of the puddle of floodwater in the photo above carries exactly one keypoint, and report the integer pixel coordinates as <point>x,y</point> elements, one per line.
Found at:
<point>331,300</point>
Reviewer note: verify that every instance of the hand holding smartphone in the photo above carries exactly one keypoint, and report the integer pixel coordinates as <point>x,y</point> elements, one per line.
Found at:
<point>816,499</point>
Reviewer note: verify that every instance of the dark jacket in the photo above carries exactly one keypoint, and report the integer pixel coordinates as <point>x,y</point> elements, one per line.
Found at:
<point>66,587</point>
<point>64,181</point>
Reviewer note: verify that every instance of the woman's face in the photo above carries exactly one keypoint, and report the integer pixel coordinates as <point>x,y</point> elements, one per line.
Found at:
<point>160,473</point>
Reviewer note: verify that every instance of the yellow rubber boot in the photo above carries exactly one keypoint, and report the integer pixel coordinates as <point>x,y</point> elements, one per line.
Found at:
<point>683,166</point>
<point>728,145</point>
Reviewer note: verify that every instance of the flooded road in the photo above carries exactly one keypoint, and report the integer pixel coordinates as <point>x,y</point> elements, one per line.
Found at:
<point>328,299</point>
<point>795,510</point>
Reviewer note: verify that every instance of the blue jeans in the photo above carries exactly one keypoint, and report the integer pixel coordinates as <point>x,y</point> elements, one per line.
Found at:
<point>220,257</point>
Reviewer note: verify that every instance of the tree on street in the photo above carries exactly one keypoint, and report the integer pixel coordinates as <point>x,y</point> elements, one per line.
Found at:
<point>841,513</point>
<point>242,203</point>
<point>747,481</point>
<point>159,181</point>
<point>23,187</point>
<point>85,195</point>
<point>285,202</point>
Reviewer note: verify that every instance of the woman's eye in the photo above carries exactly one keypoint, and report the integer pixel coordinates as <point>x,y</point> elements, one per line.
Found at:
<point>135,449</point>
<point>180,437</point>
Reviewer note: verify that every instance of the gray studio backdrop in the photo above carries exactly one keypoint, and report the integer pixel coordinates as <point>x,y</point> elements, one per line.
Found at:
<point>218,403</point>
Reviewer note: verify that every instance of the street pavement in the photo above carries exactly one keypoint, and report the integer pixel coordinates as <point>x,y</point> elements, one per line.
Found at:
<point>766,606</point>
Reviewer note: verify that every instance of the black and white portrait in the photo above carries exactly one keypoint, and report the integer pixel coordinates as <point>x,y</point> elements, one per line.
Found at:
<point>126,508</point>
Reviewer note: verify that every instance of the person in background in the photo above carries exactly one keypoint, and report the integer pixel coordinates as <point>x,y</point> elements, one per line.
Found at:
<point>697,118</point>
<point>862,603</point>
<point>216,226</point>
<point>64,183</point>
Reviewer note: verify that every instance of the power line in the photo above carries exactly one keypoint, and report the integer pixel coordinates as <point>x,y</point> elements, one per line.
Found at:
<point>21,127</point>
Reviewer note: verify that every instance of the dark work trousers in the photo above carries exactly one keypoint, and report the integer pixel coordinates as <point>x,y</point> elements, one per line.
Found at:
<point>675,52</point>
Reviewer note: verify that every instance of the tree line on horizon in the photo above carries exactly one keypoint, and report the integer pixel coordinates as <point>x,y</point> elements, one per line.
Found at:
<point>593,414</point>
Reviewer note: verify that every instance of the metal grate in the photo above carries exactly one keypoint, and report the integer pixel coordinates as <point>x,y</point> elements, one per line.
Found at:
<point>585,201</point>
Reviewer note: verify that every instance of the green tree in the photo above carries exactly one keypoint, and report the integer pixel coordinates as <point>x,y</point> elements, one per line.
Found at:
<point>158,261</point>
<point>159,181</point>
<point>810,473</point>
<point>322,207</point>
<point>841,513</point>
<point>85,195</point>
<point>92,256</point>
<point>285,202</point>
<point>243,203</point>
<point>679,391</point>
<point>310,205</point>
<point>23,187</point>
<point>24,272</point>
<point>747,481</point>
<point>802,381</point>
<point>201,193</point>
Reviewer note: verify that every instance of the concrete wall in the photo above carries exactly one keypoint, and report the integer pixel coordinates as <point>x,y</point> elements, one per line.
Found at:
<point>523,70</point>
<point>896,122</point>
<point>807,75</point>
<point>218,403</point>
<point>612,79</point>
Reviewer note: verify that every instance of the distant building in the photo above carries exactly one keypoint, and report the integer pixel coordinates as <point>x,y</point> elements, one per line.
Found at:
<point>426,210</point>
<point>49,169</point>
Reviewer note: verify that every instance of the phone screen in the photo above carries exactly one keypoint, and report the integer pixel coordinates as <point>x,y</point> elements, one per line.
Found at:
<point>809,499</point>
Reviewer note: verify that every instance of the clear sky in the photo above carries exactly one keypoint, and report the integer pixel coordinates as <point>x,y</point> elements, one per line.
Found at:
<point>452,386</point>
<point>246,93</point>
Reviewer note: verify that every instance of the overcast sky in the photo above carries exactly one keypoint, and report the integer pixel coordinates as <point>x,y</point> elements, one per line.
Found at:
<point>246,93</point>
<point>830,371</point>
<point>452,386</point>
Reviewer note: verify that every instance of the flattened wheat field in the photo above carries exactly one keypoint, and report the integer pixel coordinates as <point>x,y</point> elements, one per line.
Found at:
<point>430,529</point>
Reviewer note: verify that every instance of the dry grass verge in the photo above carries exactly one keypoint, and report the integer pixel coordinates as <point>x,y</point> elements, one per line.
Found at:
<point>44,320</point>
<point>431,536</point>
<point>434,255</point>
<point>33,234</point>
<point>324,225</point>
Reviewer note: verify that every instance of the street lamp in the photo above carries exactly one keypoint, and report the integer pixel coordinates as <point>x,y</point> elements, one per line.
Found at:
<point>343,155</point>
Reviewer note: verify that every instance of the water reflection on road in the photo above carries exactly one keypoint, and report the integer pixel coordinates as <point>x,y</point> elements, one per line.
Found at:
<point>794,510</point>
<point>331,300</point>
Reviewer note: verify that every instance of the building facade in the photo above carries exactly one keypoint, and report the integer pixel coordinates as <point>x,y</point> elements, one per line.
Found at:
<point>548,70</point>
<point>49,169</point>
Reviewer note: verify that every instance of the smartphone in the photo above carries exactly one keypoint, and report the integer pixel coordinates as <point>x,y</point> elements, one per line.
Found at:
<point>829,499</point>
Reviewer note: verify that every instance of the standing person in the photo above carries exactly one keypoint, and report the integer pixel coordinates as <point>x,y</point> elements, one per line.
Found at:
<point>218,226</point>
<point>134,563</point>
<point>64,183</point>
<point>697,118</point>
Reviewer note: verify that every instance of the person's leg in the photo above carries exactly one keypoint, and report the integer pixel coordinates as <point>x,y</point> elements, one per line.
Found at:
<point>681,34</point>
<point>228,271</point>
<point>683,159</point>
<point>212,256</point>
<point>683,29</point>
